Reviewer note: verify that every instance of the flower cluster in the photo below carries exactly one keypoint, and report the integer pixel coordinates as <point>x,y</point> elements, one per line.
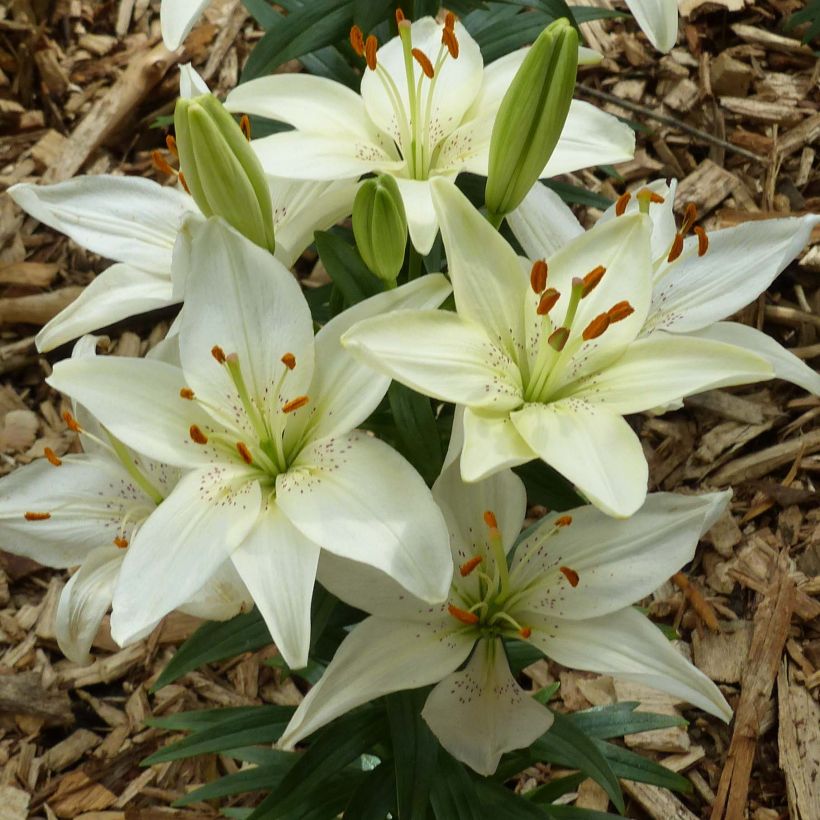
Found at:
<point>240,461</point>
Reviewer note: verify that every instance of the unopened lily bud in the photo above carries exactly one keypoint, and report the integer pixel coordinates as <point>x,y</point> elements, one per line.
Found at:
<point>531,118</point>
<point>221,170</point>
<point>380,226</point>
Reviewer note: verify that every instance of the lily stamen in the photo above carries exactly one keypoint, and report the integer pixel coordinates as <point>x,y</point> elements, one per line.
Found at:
<point>621,203</point>
<point>563,521</point>
<point>468,566</point>
<point>571,575</point>
<point>547,302</point>
<point>592,279</point>
<point>186,393</point>
<point>469,618</point>
<point>219,354</point>
<point>357,40</point>
<point>370,47</point>
<point>244,452</point>
<point>37,516</point>
<point>295,404</point>
<point>449,39</point>
<point>596,327</point>
<point>703,240</point>
<point>71,422</point>
<point>538,276</point>
<point>171,143</point>
<point>52,457</point>
<point>120,542</point>
<point>289,360</point>
<point>619,311</point>
<point>196,434</point>
<point>245,126</point>
<point>424,61</point>
<point>558,339</point>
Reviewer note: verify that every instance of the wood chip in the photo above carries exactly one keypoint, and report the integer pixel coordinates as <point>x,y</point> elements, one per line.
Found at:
<point>723,656</point>
<point>23,694</point>
<point>706,187</point>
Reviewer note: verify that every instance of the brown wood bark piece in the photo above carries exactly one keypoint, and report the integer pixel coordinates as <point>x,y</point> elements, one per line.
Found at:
<point>23,694</point>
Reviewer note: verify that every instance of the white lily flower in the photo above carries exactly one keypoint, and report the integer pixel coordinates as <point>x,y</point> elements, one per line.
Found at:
<point>85,509</point>
<point>136,222</point>
<point>658,20</point>
<point>263,417</point>
<point>567,591</point>
<point>697,280</point>
<point>548,364</point>
<point>440,127</point>
<point>177,18</point>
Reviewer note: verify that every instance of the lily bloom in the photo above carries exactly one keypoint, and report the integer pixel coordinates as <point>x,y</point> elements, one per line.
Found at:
<point>426,110</point>
<point>178,17</point>
<point>262,417</point>
<point>547,362</point>
<point>658,19</point>
<point>567,590</point>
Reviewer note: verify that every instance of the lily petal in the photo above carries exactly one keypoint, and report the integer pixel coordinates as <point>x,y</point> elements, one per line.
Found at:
<point>592,447</point>
<point>491,443</point>
<point>480,713</point>
<point>416,195</point>
<point>543,223</point>
<point>223,596</point>
<point>658,20</point>
<point>278,565</point>
<point>359,499</point>
<point>178,18</point>
<point>626,644</point>
<point>378,657</point>
<point>191,83</point>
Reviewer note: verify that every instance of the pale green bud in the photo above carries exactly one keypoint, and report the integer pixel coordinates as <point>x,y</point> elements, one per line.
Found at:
<point>531,118</point>
<point>380,226</point>
<point>221,170</point>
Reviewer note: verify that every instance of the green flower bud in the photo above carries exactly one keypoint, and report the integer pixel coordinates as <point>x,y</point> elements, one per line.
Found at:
<point>221,170</point>
<point>531,118</point>
<point>380,226</point>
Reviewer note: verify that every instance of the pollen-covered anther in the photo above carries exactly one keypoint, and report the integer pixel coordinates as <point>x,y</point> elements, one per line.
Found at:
<point>424,61</point>
<point>547,301</point>
<point>677,248</point>
<point>37,516</point>
<point>161,164</point>
<point>71,422</point>
<point>463,615</point>
<point>538,276</point>
<point>244,452</point>
<point>449,21</point>
<point>650,196</point>
<point>621,202</point>
<point>619,311</point>
<point>525,632</point>
<point>703,240</point>
<point>357,40</point>
<point>219,354</point>
<point>171,143</point>
<point>186,393</point>
<point>197,436</point>
<point>52,457</point>
<point>122,543</point>
<point>558,339</point>
<point>570,574</point>
<point>399,16</point>
<point>289,360</point>
<point>563,521</point>
<point>245,125</point>
<point>490,520</point>
<point>468,566</point>
<point>370,47</point>
<point>449,39</point>
<point>596,327</point>
<point>183,183</point>
<point>295,404</point>
<point>592,279</point>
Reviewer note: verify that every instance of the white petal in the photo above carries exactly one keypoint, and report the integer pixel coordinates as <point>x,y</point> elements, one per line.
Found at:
<point>115,294</point>
<point>741,262</point>
<point>488,279</point>
<point>127,219</point>
<point>359,499</point>
<point>590,137</point>
<point>491,443</point>
<point>378,657</point>
<point>180,547</point>
<point>592,447</point>
<point>617,562</point>
<point>223,596</point>
<point>278,564</point>
<point>178,18</point>
<point>191,83</point>
<point>439,354</point>
<point>346,390</point>
<point>665,367</point>
<point>259,314</point>
<point>480,713</point>
<point>86,497</point>
<point>421,216</point>
<point>629,646</point>
<point>84,602</point>
<point>786,365</point>
<point>658,20</point>
<point>543,223</point>
<point>138,401</point>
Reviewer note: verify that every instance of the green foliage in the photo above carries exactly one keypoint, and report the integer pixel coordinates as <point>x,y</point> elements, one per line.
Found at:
<point>346,268</point>
<point>811,15</point>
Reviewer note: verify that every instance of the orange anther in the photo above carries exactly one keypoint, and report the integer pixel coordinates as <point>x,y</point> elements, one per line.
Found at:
<point>468,566</point>
<point>289,360</point>
<point>596,327</point>
<point>160,163</point>
<point>183,183</point>
<point>71,422</point>
<point>592,279</point>
<point>563,521</point>
<point>37,516</point>
<point>295,404</point>
<point>558,339</point>
<point>122,543</point>
<point>538,276</point>
<point>656,198</point>
<point>525,632</point>
<point>357,40</point>
<point>462,615</point>
<point>621,203</point>
<point>399,16</point>
<point>490,520</point>
<point>449,21</point>
<point>52,457</point>
<point>186,393</point>
<point>547,301</point>
<point>243,451</point>
<point>448,37</point>
<point>172,145</point>
<point>245,125</point>
<point>690,215</point>
<point>424,61</point>
<point>570,574</point>
<point>219,354</point>
<point>197,436</point>
<point>703,240</point>
<point>677,248</point>
<point>619,311</point>
<point>370,47</point>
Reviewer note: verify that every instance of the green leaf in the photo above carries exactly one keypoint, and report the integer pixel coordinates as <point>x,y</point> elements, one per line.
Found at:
<point>346,268</point>
<point>417,430</point>
<point>620,719</point>
<point>811,15</point>
<point>574,813</point>
<point>585,14</point>
<point>521,654</point>
<point>264,725</point>
<point>575,195</point>
<point>415,752</point>
<point>367,14</point>
<point>501,803</point>
<point>216,641</point>
<point>630,766</point>
<point>318,804</point>
<point>199,719</point>
<point>262,12</point>
<point>452,794</point>
<point>546,694</point>
<point>550,792</point>
<point>375,797</point>
<point>548,487</point>
<point>330,62</point>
